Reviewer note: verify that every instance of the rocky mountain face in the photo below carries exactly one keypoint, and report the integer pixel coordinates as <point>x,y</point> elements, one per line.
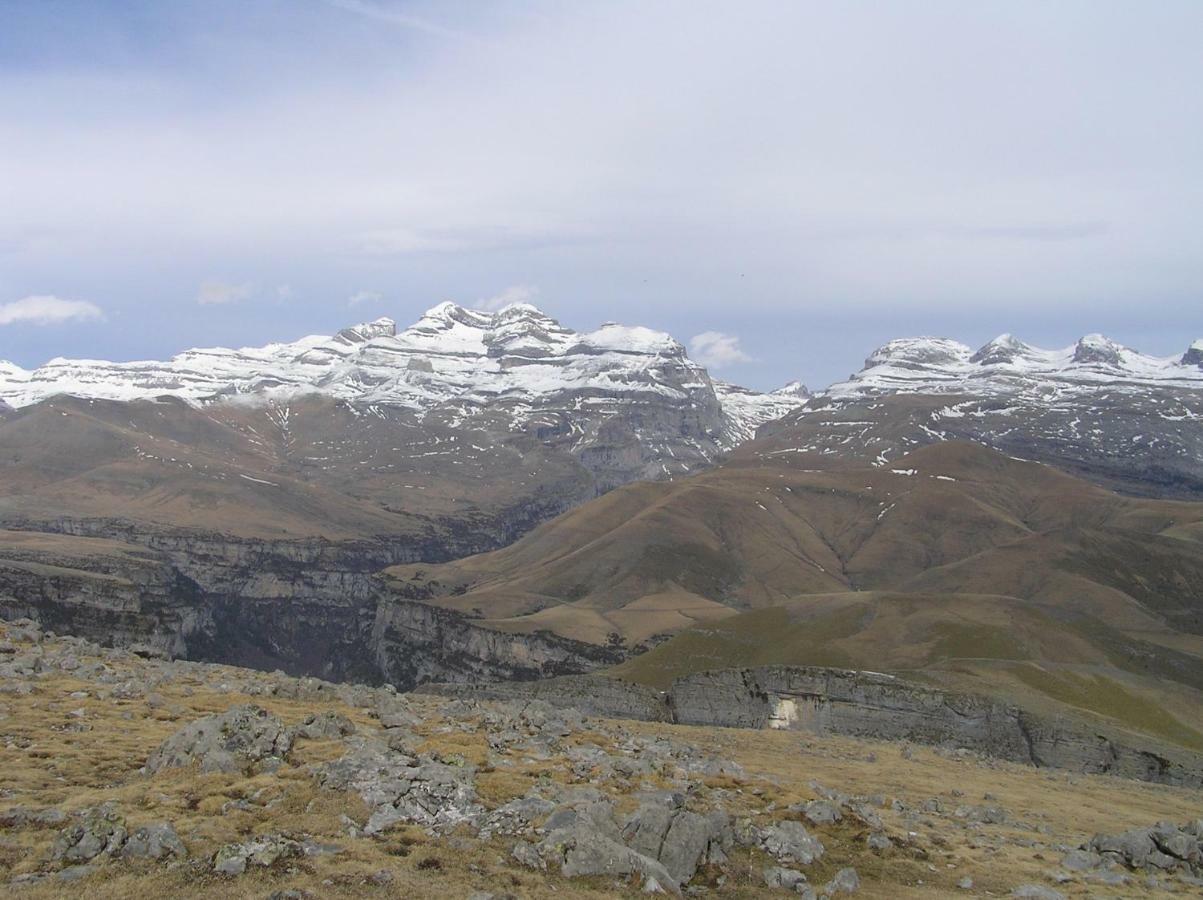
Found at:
<point>627,402</point>
<point>1099,409</point>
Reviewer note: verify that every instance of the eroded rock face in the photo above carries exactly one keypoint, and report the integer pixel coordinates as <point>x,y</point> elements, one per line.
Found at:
<point>242,739</point>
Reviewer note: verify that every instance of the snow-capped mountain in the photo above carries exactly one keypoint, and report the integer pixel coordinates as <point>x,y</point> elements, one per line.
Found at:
<point>627,402</point>
<point>1097,408</point>
<point>1007,366</point>
<point>451,357</point>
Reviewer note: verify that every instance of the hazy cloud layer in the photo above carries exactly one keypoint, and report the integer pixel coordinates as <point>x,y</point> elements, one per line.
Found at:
<point>48,310</point>
<point>516,293</point>
<point>213,293</point>
<point>844,170</point>
<point>360,297</point>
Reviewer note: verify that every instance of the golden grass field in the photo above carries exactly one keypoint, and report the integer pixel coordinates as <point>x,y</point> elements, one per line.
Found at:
<point>44,764</point>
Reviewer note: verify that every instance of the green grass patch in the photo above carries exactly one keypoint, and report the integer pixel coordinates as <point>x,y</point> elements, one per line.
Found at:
<point>1106,697</point>
<point>765,637</point>
<point>954,640</point>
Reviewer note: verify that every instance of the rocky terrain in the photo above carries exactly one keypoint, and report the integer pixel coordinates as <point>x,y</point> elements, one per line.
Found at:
<point>1101,410</point>
<point>128,775</point>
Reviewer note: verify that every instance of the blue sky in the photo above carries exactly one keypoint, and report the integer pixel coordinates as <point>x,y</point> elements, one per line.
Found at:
<point>807,179</point>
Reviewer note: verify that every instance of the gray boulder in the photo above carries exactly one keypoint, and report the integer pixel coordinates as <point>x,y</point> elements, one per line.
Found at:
<point>778,877</point>
<point>156,841</point>
<point>821,812</point>
<point>791,842</point>
<point>402,789</point>
<point>243,739</point>
<point>394,711</point>
<point>325,725</point>
<point>263,852</point>
<point>681,840</point>
<point>100,831</point>
<point>846,881</point>
<point>587,841</point>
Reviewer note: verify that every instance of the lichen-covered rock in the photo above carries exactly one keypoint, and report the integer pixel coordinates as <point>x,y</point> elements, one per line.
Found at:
<point>399,788</point>
<point>264,852</point>
<point>243,739</point>
<point>156,841</point>
<point>791,842</point>
<point>325,725</point>
<point>100,831</point>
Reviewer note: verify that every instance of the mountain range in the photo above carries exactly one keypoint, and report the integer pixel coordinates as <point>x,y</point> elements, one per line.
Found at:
<point>487,495</point>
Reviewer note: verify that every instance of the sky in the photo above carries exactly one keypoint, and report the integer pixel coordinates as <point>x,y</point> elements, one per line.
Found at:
<point>783,186</point>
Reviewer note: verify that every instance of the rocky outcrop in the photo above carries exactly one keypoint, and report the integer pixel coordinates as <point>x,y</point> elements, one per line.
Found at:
<point>866,704</point>
<point>860,704</point>
<point>591,695</point>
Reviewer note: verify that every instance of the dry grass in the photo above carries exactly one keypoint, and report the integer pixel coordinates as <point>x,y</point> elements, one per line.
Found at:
<point>47,764</point>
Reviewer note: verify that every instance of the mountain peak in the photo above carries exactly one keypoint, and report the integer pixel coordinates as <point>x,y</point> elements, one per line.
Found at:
<point>1003,349</point>
<point>366,331</point>
<point>918,352</point>
<point>1194,354</point>
<point>1096,348</point>
<point>793,389</point>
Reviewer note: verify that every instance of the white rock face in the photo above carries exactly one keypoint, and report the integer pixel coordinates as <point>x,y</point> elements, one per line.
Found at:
<point>1006,366</point>
<point>457,362</point>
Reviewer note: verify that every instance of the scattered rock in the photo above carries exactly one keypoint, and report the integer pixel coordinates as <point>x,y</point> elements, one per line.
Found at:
<point>846,881</point>
<point>99,831</point>
<point>155,841</point>
<point>325,725</point>
<point>790,841</point>
<point>243,739</point>
<point>681,840</point>
<point>401,789</point>
<point>264,851</point>
<point>821,812</point>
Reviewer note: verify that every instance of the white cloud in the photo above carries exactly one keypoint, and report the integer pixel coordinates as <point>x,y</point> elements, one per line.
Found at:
<point>218,292</point>
<point>515,293</point>
<point>714,349</point>
<point>364,297</point>
<point>46,309</point>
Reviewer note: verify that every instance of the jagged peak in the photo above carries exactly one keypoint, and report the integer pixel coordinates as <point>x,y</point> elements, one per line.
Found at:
<point>1194,354</point>
<point>1097,348</point>
<point>366,331</point>
<point>1004,348</point>
<point>793,389</point>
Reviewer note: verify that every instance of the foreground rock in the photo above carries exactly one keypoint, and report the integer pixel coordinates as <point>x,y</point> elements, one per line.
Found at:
<point>243,739</point>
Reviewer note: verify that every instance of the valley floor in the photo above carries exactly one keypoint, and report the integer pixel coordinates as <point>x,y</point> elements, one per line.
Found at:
<point>78,724</point>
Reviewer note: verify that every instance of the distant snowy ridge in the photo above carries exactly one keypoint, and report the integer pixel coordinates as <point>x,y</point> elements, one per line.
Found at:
<point>453,359</point>
<point>1006,366</point>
